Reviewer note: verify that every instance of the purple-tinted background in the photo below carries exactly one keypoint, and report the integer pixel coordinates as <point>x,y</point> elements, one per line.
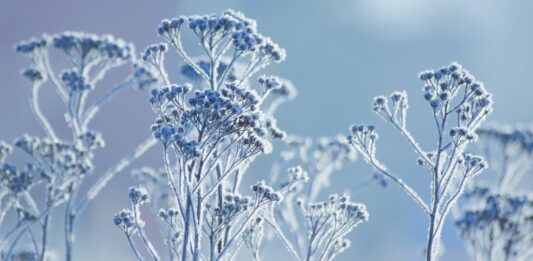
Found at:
<point>340,55</point>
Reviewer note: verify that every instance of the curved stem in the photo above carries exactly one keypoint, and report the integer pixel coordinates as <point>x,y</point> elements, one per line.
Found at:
<point>34,104</point>
<point>107,97</point>
<point>149,245</point>
<point>120,166</point>
<point>134,248</point>
<point>281,236</point>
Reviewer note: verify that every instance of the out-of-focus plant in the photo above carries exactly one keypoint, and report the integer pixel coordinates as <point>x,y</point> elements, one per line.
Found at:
<point>496,218</point>
<point>458,105</point>
<point>57,166</point>
<point>327,223</point>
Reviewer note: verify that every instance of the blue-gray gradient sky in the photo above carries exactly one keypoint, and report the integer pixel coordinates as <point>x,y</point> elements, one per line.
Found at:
<point>340,55</point>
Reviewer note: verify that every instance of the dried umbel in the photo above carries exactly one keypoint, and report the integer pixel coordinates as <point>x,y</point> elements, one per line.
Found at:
<point>59,165</point>
<point>458,105</point>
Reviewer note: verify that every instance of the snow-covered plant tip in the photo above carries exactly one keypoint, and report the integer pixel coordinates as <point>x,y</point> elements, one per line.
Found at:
<point>458,104</point>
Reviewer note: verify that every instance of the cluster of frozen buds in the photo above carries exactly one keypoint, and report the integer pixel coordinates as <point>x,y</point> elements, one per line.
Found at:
<point>498,227</point>
<point>229,33</point>
<point>231,110</point>
<point>14,180</point>
<point>364,138</point>
<point>82,49</point>
<point>137,196</point>
<point>472,164</point>
<point>155,183</point>
<point>58,158</point>
<point>91,48</point>
<point>329,222</point>
<point>130,222</point>
<point>265,193</point>
<point>232,206</point>
<point>75,81</point>
<point>125,221</point>
<point>444,84</point>
<point>397,112</point>
<point>145,77</point>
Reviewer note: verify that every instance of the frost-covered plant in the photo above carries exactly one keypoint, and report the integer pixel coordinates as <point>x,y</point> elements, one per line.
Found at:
<point>458,104</point>
<point>496,218</point>
<point>326,223</point>
<point>57,166</point>
<point>210,134</point>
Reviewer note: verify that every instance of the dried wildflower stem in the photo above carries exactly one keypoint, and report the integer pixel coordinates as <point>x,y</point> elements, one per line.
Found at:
<point>288,245</point>
<point>134,248</point>
<point>448,164</point>
<point>109,174</point>
<point>398,181</point>
<point>142,234</point>
<point>34,102</point>
<point>107,97</point>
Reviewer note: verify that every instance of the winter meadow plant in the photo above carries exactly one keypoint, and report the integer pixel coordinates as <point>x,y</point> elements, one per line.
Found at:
<point>214,116</point>
<point>458,105</point>
<point>57,166</point>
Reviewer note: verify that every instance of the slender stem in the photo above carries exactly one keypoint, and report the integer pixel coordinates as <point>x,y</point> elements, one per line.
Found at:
<point>110,173</point>
<point>49,71</point>
<point>107,97</point>
<point>407,135</point>
<point>134,248</point>
<point>401,183</point>
<point>69,222</point>
<point>34,102</point>
<point>147,243</point>
<point>44,238</point>
<point>281,236</point>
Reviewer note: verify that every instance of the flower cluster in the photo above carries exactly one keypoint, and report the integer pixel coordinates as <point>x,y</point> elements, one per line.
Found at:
<point>145,78</point>
<point>450,90</point>
<point>60,160</point>
<point>229,34</point>
<point>497,228</point>
<point>125,221</point>
<point>75,81</point>
<point>328,223</point>
<point>91,48</point>
<point>14,180</point>
<point>32,45</point>
<point>265,193</point>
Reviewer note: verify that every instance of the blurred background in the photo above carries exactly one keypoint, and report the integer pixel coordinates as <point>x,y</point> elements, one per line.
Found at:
<point>340,55</point>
